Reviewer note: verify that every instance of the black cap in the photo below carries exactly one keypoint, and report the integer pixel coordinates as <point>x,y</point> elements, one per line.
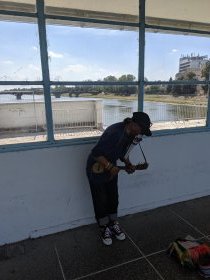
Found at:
<point>143,120</point>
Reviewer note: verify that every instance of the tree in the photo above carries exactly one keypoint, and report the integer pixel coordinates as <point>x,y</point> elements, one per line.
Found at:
<point>127,78</point>
<point>190,89</point>
<point>205,74</point>
<point>177,89</point>
<point>191,76</point>
<point>110,78</point>
<point>205,71</point>
<point>97,88</point>
<point>110,89</point>
<point>169,87</point>
<point>127,90</point>
<point>185,90</point>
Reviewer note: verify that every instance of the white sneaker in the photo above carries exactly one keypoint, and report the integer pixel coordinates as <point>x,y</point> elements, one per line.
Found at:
<point>106,235</point>
<point>117,231</point>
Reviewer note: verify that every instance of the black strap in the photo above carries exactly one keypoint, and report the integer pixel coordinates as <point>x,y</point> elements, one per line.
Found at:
<point>142,153</point>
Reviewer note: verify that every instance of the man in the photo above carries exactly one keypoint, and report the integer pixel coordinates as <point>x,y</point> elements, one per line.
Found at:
<point>102,171</point>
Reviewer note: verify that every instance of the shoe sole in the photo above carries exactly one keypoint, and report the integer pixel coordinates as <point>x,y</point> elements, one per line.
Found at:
<point>120,238</point>
<point>107,243</point>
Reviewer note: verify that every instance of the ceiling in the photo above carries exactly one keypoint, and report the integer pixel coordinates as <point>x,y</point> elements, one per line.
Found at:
<point>190,14</point>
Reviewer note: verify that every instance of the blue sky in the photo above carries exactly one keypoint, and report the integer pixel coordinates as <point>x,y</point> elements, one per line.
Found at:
<point>86,53</point>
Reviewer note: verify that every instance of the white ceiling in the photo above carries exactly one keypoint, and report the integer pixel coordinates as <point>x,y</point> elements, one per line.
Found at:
<point>181,13</point>
<point>184,10</point>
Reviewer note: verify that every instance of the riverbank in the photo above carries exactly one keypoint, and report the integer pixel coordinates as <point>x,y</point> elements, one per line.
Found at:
<point>190,100</point>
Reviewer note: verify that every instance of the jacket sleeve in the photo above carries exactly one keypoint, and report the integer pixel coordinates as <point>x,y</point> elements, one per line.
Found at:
<point>106,143</point>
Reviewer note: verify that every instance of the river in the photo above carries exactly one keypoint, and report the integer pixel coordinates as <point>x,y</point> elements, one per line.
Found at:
<point>115,110</point>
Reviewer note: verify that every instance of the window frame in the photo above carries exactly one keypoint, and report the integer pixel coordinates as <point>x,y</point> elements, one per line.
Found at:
<point>142,26</point>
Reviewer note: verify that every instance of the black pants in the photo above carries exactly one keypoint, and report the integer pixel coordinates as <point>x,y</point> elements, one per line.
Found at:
<point>105,198</point>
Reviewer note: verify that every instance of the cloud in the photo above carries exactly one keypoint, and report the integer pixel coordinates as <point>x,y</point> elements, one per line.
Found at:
<point>9,62</point>
<point>27,72</point>
<point>76,68</point>
<point>35,48</point>
<point>174,51</point>
<point>55,54</point>
<point>34,67</point>
<point>81,72</point>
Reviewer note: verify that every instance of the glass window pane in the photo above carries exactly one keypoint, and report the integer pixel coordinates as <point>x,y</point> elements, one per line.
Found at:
<point>176,106</point>
<point>79,54</point>
<point>19,56</point>
<point>175,56</point>
<point>85,111</point>
<point>22,114</point>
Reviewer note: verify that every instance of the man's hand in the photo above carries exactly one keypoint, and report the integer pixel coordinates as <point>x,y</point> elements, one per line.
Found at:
<point>114,171</point>
<point>144,166</point>
<point>129,168</point>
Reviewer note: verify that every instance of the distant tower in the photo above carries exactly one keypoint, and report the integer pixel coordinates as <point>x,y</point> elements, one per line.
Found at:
<point>191,63</point>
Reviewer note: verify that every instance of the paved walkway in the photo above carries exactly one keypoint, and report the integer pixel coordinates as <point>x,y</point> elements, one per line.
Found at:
<point>80,254</point>
<point>6,138</point>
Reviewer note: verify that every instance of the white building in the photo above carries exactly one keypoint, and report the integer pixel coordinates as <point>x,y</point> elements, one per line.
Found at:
<point>192,63</point>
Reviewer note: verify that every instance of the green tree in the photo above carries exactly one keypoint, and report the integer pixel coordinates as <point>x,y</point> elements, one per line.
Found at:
<point>178,89</point>
<point>127,90</point>
<point>205,74</point>
<point>190,89</point>
<point>191,76</point>
<point>110,78</point>
<point>98,89</point>
<point>206,71</point>
<point>169,87</point>
<point>110,89</point>
<point>185,90</point>
<point>127,78</point>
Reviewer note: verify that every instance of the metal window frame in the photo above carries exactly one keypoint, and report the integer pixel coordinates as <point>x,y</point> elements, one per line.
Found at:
<point>45,68</point>
<point>47,83</point>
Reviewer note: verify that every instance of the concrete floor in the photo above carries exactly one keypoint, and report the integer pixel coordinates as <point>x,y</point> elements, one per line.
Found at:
<point>80,254</point>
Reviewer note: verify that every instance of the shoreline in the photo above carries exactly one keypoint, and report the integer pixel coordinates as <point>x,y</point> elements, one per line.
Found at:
<point>191,100</point>
<point>201,100</point>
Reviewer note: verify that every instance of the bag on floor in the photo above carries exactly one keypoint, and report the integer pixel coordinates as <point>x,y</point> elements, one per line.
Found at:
<point>192,254</point>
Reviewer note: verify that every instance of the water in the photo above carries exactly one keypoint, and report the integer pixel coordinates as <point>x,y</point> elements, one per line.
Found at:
<point>115,110</point>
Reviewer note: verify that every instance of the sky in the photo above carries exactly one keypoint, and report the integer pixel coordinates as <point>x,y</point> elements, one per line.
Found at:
<point>77,54</point>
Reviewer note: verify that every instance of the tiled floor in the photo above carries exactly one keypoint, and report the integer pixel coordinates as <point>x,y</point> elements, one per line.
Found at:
<point>80,254</point>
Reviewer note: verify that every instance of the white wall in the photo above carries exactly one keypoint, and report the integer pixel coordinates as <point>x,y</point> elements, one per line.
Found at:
<point>25,114</point>
<point>45,191</point>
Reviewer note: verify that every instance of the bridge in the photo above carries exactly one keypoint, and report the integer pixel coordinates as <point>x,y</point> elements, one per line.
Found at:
<point>19,93</point>
<point>57,93</point>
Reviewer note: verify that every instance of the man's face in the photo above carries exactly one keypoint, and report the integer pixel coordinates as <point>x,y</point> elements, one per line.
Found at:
<point>135,129</point>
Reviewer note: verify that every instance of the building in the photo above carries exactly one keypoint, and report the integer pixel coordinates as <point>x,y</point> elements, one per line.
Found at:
<point>191,63</point>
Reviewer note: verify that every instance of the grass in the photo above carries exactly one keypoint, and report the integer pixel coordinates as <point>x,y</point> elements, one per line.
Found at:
<point>189,100</point>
